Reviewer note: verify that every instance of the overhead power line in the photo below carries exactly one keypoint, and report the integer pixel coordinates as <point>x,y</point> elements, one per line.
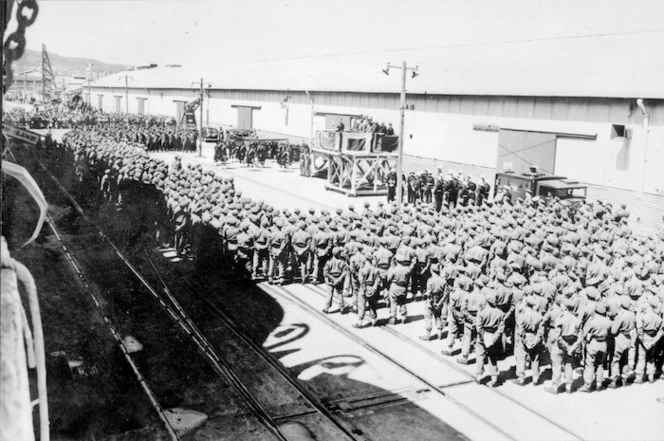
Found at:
<point>436,47</point>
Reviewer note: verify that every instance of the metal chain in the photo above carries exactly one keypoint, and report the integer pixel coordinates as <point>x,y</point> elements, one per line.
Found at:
<point>26,14</point>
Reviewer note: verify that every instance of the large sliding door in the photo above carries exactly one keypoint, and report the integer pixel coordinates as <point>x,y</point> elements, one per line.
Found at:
<point>245,118</point>
<point>519,150</point>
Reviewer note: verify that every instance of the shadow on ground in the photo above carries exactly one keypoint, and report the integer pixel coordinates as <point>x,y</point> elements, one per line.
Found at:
<point>104,399</point>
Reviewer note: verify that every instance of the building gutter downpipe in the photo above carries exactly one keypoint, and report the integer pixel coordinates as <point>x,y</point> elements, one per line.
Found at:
<point>644,163</point>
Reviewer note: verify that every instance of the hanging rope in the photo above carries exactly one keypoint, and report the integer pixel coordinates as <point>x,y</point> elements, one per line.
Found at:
<point>17,342</point>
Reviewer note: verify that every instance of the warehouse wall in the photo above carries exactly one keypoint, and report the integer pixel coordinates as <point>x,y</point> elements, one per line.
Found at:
<point>440,128</point>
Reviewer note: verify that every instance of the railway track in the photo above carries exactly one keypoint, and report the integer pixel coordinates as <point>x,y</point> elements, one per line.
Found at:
<point>185,325</point>
<point>453,365</point>
<point>116,336</point>
<point>264,355</point>
<point>291,298</point>
<point>167,301</point>
<point>347,333</point>
<point>172,307</point>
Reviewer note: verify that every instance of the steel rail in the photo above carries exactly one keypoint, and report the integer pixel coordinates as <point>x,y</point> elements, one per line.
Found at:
<point>146,388</point>
<point>457,368</point>
<point>273,362</point>
<point>218,365</point>
<point>434,388</point>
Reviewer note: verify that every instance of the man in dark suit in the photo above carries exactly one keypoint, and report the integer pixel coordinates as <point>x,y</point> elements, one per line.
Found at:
<point>452,191</point>
<point>391,185</point>
<point>438,190</point>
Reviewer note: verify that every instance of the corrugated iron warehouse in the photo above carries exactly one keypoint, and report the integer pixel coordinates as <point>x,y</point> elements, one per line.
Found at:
<point>609,138</point>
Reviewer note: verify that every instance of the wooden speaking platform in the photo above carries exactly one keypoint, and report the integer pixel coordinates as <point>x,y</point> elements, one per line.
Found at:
<point>356,164</point>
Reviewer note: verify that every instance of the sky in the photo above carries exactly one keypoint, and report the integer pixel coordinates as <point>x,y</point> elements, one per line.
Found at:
<point>216,33</point>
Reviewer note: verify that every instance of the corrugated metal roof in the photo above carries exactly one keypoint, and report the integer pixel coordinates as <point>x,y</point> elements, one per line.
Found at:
<point>620,67</point>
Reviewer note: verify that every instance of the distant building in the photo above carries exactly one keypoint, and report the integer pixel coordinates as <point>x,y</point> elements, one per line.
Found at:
<point>26,85</point>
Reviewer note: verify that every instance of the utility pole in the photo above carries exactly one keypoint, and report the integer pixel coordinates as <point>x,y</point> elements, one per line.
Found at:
<point>200,122</point>
<point>90,81</point>
<point>402,107</point>
<point>127,94</point>
<point>43,67</point>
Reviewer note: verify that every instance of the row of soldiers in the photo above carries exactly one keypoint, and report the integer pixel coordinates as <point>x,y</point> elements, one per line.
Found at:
<point>255,153</point>
<point>449,189</point>
<point>533,279</point>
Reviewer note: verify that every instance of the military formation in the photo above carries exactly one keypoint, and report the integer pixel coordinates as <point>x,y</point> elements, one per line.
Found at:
<point>254,153</point>
<point>78,115</point>
<point>571,288</point>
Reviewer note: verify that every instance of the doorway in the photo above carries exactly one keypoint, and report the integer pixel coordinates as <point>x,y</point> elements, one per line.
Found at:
<point>518,150</point>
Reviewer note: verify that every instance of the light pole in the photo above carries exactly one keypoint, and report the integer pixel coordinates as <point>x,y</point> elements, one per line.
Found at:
<point>402,107</point>
<point>127,93</point>
<point>89,82</point>
<point>200,122</point>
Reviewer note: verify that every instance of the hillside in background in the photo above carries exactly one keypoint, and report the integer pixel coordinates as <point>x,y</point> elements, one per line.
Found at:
<point>64,66</point>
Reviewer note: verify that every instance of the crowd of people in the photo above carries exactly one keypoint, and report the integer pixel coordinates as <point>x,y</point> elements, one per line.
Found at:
<point>254,153</point>
<point>573,288</point>
<point>78,114</point>
<point>450,190</point>
<point>50,117</point>
<point>366,124</point>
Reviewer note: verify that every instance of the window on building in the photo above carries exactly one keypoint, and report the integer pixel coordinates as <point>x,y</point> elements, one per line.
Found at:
<point>118,104</point>
<point>618,131</point>
<point>100,102</point>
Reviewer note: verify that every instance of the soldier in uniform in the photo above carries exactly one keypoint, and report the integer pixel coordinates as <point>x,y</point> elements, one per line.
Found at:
<point>383,260</point>
<point>398,279</point>
<point>623,330</point>
<point>278,253</point>
<point>335,274</point>
<point>322,245</point>
<point>489,325</point>
<point>301,243</point>
<point>464,193</point>
<point>482,191</point>
<point>455,318</point>
<point>438,190</point>
<point>435,298</point>
<point>356,262</point>
<point>472,305</point>
<point>106,183</point>
<point>180,220</point>
<point>530,342</point>
<point>370,282</point>
<point>177,164</point>
<point>413,182</point>
<point>427,184</point>
<point>649,329</point>
<point>452,191</point>
<point>231,231</point>
<point>261,254</point>
<point>595,334</point>
<point>566,340</point>
<point>421,268</point>
<point>245,250</point>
